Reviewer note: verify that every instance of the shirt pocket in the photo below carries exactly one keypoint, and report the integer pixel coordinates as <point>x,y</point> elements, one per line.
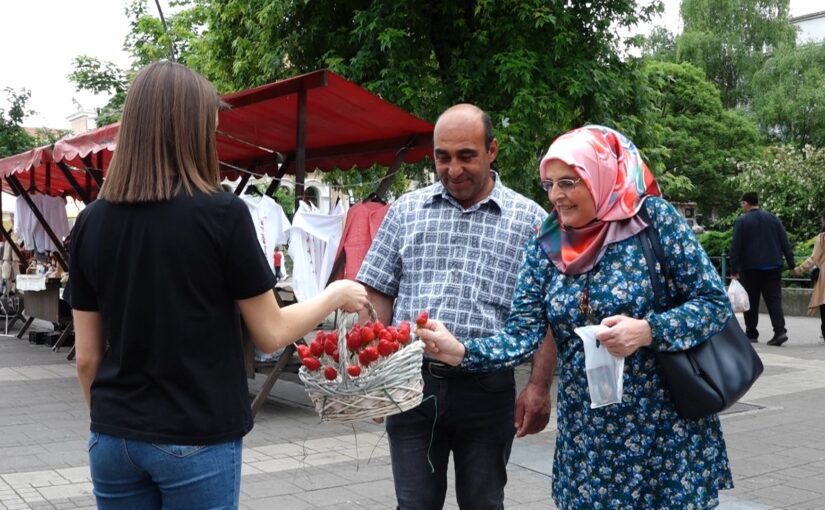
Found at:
<point>496,279</point>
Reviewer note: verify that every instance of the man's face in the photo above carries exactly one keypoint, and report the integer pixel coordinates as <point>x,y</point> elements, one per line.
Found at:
<point>461,160</point>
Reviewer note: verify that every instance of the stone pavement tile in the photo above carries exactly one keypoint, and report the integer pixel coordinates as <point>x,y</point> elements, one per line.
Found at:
<point>524,490</point>
<point>267,487</point>
<point>41,505</point>
<point>311,479</point>
<point>277,502</point>
<point>815,504</point>
<point>338,497</point>
<point>727,502</point>
<point>65,459</point>
<point>275,465</point>
<point>813,483</point>
<point>378,469</point>
<point>66,491</point>
<point>783,495</point>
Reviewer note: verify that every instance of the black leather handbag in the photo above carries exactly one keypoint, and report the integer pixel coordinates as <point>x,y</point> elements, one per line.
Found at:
<point>814,274</point>
<point>711,376</point>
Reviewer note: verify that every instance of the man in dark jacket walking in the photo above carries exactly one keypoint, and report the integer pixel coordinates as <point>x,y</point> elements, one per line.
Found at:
<point>759,243</point>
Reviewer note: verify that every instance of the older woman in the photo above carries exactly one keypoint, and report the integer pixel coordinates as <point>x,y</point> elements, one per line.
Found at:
<point>585,266</point>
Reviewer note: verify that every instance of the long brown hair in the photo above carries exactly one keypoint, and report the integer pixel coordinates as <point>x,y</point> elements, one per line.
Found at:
<point>166,140</point>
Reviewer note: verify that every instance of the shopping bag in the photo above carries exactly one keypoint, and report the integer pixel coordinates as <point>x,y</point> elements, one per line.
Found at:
<point>738,297</point>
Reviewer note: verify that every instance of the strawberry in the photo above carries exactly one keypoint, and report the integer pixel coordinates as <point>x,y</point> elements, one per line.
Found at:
<point>312,363</point>
<point>354,340</point>
<point>316,348</point>
<point>377,328</point>
<point>385,347</point>
<point>372,352</point>
<point>364,358</point>
<point>303,350</point>
<point>422,319</point>
<point>332,336</point>
<point>330,347</point>
<point>385,335</point>
<point>404,337</point>
<point>367,336</point>
<point>330,373</point>
<point>320,335</point>
<point>354,370</point>
<point>396,346</point>
<point>336,356</point>
<point>392,332</point>
<point>404,326</point>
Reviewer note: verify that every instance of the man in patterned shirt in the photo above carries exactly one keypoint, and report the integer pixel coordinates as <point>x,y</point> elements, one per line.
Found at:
<point>454,249</point>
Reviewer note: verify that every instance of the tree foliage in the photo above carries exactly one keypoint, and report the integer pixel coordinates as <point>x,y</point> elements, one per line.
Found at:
<point>729,40</point>
<point>704,142</point>
<point>789,95</point>
<point>146,42</point>
<point>538,67</point>
<point>13,138</point>
<point>791,184</point>
<point>101,77</point>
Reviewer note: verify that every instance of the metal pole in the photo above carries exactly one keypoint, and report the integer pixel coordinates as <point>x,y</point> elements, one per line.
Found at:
<point>301,147</point>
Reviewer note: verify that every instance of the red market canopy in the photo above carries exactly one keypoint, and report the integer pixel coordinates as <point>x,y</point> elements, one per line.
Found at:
<point>341,125</point>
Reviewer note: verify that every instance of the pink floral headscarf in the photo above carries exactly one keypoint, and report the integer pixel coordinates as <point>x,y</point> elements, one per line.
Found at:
<point>617,179</point>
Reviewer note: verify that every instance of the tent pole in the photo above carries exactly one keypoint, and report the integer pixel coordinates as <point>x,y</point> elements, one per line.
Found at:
<point>73,182</point>
<point>301,146</point>
<point>94,173</point>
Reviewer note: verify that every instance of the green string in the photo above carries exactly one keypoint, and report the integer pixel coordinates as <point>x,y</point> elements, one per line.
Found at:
<point>432,432</point>
<point>435,421</point>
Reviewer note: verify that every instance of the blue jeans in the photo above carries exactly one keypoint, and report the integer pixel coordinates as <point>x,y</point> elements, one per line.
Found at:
<point>475,420</point>
<point>129,474</point>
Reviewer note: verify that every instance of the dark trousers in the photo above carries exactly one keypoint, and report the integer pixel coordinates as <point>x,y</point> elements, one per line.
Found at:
<point>474,418</point>
<point>822,319</point>
<point>768,284</point>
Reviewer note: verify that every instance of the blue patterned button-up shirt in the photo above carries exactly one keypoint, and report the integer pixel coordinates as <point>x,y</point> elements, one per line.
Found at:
<point>460,265</point>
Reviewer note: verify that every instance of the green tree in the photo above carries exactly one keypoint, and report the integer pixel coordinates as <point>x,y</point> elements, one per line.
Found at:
<point>659,44</point>
<point>791,184</point>
<point>730,39</point>
<point>538,67</point>
<point>702,141</point>
<point>147,41</point>
<point>101,77</point>
<point>13,138</point>
<point>789,96</point>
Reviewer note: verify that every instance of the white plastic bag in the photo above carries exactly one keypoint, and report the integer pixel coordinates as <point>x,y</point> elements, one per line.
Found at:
<point>738,297</point>
<point>605,372</point>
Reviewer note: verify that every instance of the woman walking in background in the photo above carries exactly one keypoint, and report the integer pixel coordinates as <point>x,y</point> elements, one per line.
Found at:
<point>815,263</point>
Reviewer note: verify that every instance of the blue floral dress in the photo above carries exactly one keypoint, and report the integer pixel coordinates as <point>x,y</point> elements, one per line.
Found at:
<point>638,454</point>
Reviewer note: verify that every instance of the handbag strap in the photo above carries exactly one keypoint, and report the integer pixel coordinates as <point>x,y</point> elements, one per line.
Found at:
<point>653,252</point>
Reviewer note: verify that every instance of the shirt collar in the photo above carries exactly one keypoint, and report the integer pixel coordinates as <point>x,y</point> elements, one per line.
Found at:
<point>495,197</point>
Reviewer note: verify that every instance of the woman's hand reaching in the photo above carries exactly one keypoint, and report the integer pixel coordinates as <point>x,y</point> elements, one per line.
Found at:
<point>440,343</point>
<point>349,295</point>
<point>625,335</point>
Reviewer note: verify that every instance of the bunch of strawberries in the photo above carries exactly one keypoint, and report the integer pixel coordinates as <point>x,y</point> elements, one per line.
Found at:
<point>366,344</point>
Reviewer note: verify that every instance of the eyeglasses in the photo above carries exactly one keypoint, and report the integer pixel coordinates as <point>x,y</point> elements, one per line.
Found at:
<point>565,185</point>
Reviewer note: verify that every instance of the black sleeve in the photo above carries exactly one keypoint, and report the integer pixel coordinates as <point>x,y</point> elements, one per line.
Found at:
<point>83,294</point>
<point>786,245</point>
<point>247,271</point>
<point>736,246</point>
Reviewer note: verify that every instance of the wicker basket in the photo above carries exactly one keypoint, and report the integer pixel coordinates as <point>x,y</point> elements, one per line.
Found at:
<point>389,386</point>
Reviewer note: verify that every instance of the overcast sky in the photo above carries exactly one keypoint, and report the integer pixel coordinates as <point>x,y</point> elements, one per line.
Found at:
<point>39,39</point>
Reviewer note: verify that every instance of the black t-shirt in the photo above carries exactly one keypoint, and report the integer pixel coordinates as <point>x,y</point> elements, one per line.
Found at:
<point>164,277</point>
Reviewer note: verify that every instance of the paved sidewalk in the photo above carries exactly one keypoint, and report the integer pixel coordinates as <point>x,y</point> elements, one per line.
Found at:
<point>775,436</point>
